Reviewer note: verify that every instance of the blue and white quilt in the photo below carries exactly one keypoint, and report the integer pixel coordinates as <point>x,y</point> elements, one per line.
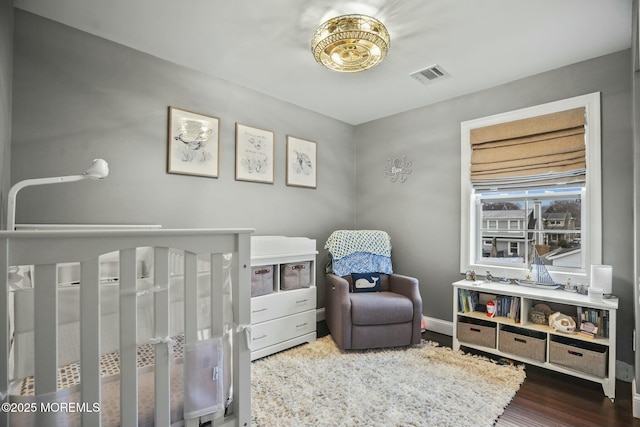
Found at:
<point>359,251</point>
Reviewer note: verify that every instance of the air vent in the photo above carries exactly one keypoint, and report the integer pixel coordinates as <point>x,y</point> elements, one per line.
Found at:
<point>430,74</point>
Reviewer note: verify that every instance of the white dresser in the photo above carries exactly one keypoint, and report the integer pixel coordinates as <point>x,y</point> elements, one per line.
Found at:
<point>281,318</point>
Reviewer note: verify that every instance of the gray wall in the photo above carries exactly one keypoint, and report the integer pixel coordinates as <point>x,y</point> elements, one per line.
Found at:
<point>423,213</point>
<point>6,73</point>
<point>77,97</point>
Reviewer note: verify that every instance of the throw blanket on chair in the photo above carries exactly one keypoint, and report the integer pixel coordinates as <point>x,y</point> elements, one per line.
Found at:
<point>359,251</point>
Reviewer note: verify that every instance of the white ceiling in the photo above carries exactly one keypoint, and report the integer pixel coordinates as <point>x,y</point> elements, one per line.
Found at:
<point>265,45</point>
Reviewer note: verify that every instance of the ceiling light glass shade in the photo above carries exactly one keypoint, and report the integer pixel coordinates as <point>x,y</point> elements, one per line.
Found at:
<point>350,43</point>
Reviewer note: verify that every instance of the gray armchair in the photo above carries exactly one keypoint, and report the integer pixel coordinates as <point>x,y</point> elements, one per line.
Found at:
<point>361,320</point>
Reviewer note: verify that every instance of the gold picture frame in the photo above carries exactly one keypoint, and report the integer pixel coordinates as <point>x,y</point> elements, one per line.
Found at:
<point>254,154</point>
<point>193,146</point>
<point>302,162</point>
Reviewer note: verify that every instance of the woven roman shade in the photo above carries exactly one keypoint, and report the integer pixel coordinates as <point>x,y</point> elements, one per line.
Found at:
<point>537,151</point>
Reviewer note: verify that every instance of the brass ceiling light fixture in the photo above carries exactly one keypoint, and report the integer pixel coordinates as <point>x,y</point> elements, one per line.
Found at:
<point>350,43</point>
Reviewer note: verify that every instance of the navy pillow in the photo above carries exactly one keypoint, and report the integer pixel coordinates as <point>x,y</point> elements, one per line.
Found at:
<point>365,282</point>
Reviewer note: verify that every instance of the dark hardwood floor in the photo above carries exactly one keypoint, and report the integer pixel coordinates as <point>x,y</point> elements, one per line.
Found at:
<point>550,399</point>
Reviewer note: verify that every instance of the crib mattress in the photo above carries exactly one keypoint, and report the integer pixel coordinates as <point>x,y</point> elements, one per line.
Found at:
<point>69,379</point>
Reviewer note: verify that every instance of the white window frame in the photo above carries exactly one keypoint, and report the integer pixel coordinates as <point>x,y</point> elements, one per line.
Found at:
<point>591,237</point>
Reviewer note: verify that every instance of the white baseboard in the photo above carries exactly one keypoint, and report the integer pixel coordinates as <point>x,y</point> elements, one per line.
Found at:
<point>636,400</point>
<point>320,314</point>
<point>438,325</point>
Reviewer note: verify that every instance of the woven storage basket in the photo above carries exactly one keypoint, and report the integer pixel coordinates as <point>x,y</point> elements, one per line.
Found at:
<point>476,334</point>
<point>261,280</point>
<point>574,355</point>
<point>295,275</point>
<point>523,343</point>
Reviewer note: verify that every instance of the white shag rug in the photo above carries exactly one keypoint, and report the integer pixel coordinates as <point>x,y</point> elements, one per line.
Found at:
<point>424,385</point>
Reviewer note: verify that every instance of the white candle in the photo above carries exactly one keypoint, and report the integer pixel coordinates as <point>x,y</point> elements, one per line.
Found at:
<point>602,277</point>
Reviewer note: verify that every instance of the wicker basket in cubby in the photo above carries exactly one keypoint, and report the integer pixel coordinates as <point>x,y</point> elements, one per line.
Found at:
<point>585,357</point>
<point>476,333</point>
<point>523,343</point>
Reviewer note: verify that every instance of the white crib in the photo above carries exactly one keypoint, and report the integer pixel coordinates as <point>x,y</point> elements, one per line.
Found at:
<point>197,274</point>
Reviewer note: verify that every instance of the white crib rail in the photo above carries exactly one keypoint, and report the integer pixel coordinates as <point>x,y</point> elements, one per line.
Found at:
<point>45,249</point>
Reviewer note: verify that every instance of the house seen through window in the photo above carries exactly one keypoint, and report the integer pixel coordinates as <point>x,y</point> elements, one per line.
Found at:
<point>516,225</point>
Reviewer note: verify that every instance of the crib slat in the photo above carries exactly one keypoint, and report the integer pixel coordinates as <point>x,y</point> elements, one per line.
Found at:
<point>161,330</point>
<point>190,298</point>
<point>128,338</point>
<point>190,302</point>
<point>45,303</point>
<point>217,292</point>
<point>90,339</point>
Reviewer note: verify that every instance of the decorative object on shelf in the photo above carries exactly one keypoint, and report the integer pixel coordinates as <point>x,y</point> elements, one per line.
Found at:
<point>350,43</point>
<point>588,330</point>
<point>541,277</point>
<point>302,163</point>
<point>562,323</point>
<point>470,275</point>
<point>582,289</point>
<point>539,314</point>
<point>398,169</point>
<point>254,154</point>
<point>491,309</point>
<point>193,143</point>
<point>570,286</point>
<point>595,294</point>
<point>489,276</point>
<point>602,278</point>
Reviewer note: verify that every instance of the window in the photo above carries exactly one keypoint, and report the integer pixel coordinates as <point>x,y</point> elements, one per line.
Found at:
<point>553,218</point>
<point>513,248</point>
<point>507,220</point>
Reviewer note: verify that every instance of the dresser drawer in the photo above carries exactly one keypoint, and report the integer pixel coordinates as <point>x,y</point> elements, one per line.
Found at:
<point>279,304</point>
<point>285,328</point>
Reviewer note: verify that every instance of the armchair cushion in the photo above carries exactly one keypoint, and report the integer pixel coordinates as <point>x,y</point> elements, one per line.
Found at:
<point>381,308</point>
<point>365,282</point>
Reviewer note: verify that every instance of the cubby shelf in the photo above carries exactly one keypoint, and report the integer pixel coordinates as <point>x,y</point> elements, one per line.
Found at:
<point>283,318</point>
<point>592,359</point>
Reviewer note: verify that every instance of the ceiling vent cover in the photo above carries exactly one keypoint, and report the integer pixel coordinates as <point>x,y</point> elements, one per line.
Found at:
<point>429,74</point>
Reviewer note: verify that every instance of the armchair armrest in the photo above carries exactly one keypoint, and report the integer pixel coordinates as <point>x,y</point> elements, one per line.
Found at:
<point>409,287</point>
<point>405,285</point>
<point>338,309</point>
<point>338,284</point>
